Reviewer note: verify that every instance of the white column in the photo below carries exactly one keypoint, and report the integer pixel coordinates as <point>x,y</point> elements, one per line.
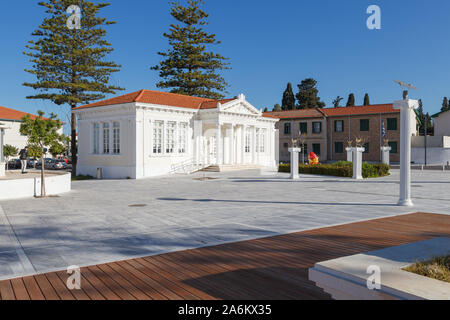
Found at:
<point>232,146</point>
<point>198,143</point>
<point>294,162</point>
<point>253,145</point>
<point>357,163</point>
<point>243,133</point>
<point>219,153</point>
<point>385,155</point>
<point>406,108</point>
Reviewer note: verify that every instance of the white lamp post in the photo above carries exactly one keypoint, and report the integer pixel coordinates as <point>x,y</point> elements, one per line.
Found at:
<point>294,162</point>
<point>406,107</point>
<point>2,157</point>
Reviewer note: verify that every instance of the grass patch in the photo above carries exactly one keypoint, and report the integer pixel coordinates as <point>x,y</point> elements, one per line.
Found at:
<point>438,268</point>
<point>340,169</point>
<point>82,178</point>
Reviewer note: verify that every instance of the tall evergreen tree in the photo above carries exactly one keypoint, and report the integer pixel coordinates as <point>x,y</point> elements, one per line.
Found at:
<point>366,100</point>
<point>288,101</point>
<point>337,102</point>
<point>277,107</point>
<point>188,68</point>
<point>445,106</point>
<point>351,100</point>
<point>307,96</point>
<point>69,63</point>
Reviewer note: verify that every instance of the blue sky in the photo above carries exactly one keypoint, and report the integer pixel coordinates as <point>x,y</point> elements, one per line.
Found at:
<point>269,43</point>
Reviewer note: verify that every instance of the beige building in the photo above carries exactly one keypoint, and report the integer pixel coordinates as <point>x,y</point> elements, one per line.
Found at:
<point>310,124</point>
<point>327,131</point>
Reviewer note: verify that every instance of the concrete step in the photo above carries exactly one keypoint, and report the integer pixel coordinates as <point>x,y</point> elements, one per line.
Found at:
<point>224,168</point>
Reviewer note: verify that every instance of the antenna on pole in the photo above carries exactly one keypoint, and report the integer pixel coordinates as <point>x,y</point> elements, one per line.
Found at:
<point>405,86</point>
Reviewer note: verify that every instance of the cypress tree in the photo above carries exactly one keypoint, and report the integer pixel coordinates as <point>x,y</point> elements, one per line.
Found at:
<point>366,100</point>
<point>288,101</point>
<point>445,104</point>
<point>307,96</point>
<point>188,68</point>
<point>69,63</point>
<point>351,100</point>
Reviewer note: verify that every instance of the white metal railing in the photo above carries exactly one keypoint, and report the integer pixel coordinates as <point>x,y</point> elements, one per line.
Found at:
<point>188,167</point>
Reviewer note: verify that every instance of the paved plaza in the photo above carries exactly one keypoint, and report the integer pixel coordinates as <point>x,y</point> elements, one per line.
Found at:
<point>105,221</point>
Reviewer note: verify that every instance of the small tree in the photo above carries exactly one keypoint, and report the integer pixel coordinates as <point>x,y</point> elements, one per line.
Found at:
<point>277,107</point>
<point>351,100</point>
<point>34,151</point>
<point>43,133</point>
<point>9,151</point>
<point>366,100</point>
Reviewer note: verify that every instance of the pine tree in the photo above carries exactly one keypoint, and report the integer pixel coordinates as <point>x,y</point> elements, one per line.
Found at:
<point>366,100</point>
<point>277,107</point>
<point>337,102</point>
<point>307,96</point>
<point>445,106</point>
<point>69,63</point>
<point>266,109</point>
<point>351,100</point>
<point>288,102</point>
<point>188,68</point>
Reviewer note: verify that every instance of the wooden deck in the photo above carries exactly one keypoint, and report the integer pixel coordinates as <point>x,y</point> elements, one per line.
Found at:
<point>270,268</point>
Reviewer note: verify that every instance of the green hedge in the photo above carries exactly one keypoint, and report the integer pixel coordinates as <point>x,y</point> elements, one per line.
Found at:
<point>340,169</point>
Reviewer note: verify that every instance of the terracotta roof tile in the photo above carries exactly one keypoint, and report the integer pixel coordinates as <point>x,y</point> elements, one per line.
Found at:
<point>293,114</point>
<point>373,109</point>
<point>159,98</point>
<point>212,104</point>
<point>12,114</point>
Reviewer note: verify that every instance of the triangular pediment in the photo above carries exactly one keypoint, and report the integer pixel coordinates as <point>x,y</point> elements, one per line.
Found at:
<point>240,107</point>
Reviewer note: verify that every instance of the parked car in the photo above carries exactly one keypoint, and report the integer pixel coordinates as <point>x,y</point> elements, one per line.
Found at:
<point>14,164</point>
<point>54,164</point>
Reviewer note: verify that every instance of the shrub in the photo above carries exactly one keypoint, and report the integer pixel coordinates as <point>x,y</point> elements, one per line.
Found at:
<point>340,169</point>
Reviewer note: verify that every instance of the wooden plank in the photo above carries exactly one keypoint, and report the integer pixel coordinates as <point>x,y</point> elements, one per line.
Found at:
<point>99,285</point>
<point>187,291</point>
<point>157,288</point>
<point>6,290</point>
<point>19,289</point>
<point>111,284</point>
<point>47,290</point>
<point>60,287</point>
<point>78,294</point>
<point>33,288</point>
<point>176,277</point>
<point>270,268</point>
<point>125,282</point>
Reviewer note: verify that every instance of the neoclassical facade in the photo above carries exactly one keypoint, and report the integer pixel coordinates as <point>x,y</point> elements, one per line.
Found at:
<point>150,133</point>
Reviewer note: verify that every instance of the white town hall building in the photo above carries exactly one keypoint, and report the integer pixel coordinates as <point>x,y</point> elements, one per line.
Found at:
<point>150,133</point>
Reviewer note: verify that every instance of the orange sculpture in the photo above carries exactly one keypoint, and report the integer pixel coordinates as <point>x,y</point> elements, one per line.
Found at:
<point>313,159</point>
